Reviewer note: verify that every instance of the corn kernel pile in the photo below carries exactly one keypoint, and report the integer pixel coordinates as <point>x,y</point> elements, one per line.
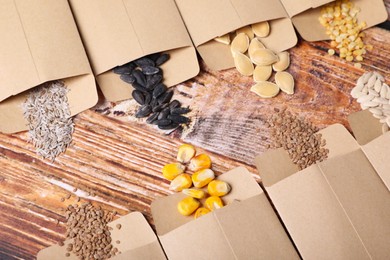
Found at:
<point>203,176</point>
<point>339,19</point>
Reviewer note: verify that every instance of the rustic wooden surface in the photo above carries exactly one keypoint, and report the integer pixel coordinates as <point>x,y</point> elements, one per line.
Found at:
<point>120,159</point>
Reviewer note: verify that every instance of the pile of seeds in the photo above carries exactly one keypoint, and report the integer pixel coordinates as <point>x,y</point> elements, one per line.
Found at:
<point>154,97</point>
<point>339,19</point>
<point>248,39</point>
<point>47,112</point>
<point>87,226</point>
<point>374,94</point>
<point>298,137</point>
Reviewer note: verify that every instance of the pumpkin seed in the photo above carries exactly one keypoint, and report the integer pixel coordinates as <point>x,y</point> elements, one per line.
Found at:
<point>264,57</point>
<point>243,64</point>
<point>261,29</point>
<point>283,63</point>
<point>285,81</point>
<point>225,39</point>
<point>162,59</point>
<point>247,30</point>
<point>265,89</point>
<point>240,43</point>
<point>262,73</point>
<point>255,45</point>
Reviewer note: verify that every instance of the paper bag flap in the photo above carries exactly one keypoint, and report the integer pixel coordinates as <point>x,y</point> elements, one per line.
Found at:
<point>206,20</point>
<point>364,126</point>
<point>118,31</point>
<point>40,43</point>
<point>81,96</point>
<point>276,165</point>
<point>295,7</point>
<point>135,234</point>
<point>166,217</point>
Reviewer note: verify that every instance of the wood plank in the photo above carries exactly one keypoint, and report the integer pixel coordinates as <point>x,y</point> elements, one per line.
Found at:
<point>120,159</point>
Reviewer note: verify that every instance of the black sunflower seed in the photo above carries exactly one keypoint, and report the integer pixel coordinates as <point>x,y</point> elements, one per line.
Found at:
<point>164,113</point>
<point>139,77</point>
<point>159,90</point>
<point>127,78</point>
<point>163,122</point>
<point>152,118</point>
<point>139,97</point>
<point>148,98</point>
<point>149,70</point>
<point>162,59</point>
<point>124,69</point>
<point>154,56</point>
<point>145,61</point>
<point>168,127</point>
<point>175,103</point>
<point>165,98</point>
<point>143,111</point>
<point>159,107</point>
<point>139,87</point>
<point>153,81</point>
<point>179,119</point>
<point>154,102</point>
<point>180,110</point>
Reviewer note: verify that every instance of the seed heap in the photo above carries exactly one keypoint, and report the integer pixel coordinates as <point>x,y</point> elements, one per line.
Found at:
<point>374,94</point>
<point>298,138</point>
<point>203,176</point>
<point>339,19</point>
<point>154,97</point>
<point>247,39</point>
<point>46,110</point>
<point>87,226</point>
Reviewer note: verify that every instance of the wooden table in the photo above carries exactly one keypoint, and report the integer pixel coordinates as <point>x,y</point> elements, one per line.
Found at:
<point>120,159</point>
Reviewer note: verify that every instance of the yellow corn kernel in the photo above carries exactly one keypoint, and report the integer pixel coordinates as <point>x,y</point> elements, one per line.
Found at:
<point>172,170</point>
<point>195,193</point>
<point>187,206</point>
<point>202,178</point>
<point>213,203</point>
<point>185,153</point>
<point>218,188</point>
<point>199,162</point>
<point>182,181</point>
<point>200,212</point>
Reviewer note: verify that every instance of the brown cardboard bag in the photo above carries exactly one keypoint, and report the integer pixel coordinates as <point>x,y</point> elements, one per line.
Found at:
<point>305,14</point>
<point>118,31</point>
<point>336,209</point>
<point>40,43</point>
<point>247,228</point>
<point>137,241</point>
<point>206,20</point>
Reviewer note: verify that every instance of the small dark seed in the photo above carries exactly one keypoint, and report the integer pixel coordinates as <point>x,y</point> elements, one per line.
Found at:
<point>166,97</point>
<point>162,59</point>
<point>180,110</point>
<point>168,127</point>
<point>164,113</point>
<point>179,119</point>
<point>154,56</point>
<point>143,111</point>
<point>139,87</point>
<point>175,103</point>
<point>127,78</point>
<point>144,62</point>
<point>148,98</point>
<point>124,69</point>
<point>152,118</point>
<point>154,102</point>
<point>138,96</point>
<point>149,70</point>
<point>159,90</point>
<point>139,77</point>
<point>153,81</point>
<point>163,122</point>
<point>159,107</point>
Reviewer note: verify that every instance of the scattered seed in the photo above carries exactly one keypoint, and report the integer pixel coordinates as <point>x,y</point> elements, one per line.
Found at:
<point>285,82</point>
<point>264,57</point>
<point>262,73</point>
<point>143,111</point>
<point>138,96</point>
<point>118,226</point>
<point>240,44</point>
<point>254,46</point>
<point>118,242</point>
<point>247,30</point>
<point>243,64</point>
<point>164,113</point>
<point>62,199</point>
<point>68,196</point>
<point>159,90</point>
<point>265,89</point>
<point>166,97</point>
<point>162,59</point>
<point>261,29</point>
<point>283,63</point>
<point>169,127</point>
<point>179,119</point>
<point>127,78</point>
<point>180,110</point>
<point>225,39</point>
<point>139,77</point>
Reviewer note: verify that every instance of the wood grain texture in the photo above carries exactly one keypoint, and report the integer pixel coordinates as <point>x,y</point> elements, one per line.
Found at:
<point>120,159</point>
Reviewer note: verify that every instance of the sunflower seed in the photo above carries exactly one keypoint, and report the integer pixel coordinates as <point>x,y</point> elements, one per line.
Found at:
<point>152,118</point>
<point>159,90</point>
<point>164,113</point>
<point>124,69</point>
<point>174,104</point>
<point>166,97</point>
<point>139,87</point>
<point>149,70</point>
<point>138,96</point>
<point>154,102</point>
<point>143,111</point>
<point>148,98</point>
<point>162,59</point>
<point>139,77</point>
<point>159,107</point>
<point>127,78</point>
<point>168,127</point>
<point>180,110</point>
<point>179,119</point>
<point>153,81</point>
<point>163,122</point>
<point>144,62</point>
<point>154,57</point>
